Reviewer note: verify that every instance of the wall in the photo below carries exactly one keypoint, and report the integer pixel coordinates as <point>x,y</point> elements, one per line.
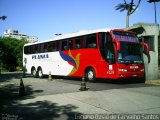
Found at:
<point>149,33</point>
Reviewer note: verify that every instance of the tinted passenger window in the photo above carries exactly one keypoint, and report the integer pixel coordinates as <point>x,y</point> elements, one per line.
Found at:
<point>77,43</point>
<point>91,41</point>
<point>70,44</point>
<point>64,45</point>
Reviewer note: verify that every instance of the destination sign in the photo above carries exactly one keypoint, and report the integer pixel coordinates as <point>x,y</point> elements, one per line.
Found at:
<point>125,37</point>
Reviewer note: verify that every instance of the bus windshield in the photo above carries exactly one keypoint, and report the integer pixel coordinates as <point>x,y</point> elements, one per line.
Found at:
<point>130,49</point>
<point>130,53</point>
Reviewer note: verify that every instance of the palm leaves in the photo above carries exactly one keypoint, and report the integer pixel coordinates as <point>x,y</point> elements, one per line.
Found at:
<point>130,7</point>
<point>125,6</point>
<point>3,17</point>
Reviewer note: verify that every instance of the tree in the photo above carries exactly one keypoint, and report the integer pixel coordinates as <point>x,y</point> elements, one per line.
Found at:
<point>3,17</point>
<point>11,52</point>
<point>155,12</point>
<point>130,7</point>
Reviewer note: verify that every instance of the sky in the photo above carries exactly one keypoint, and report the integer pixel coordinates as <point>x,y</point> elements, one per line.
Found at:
<point>45,18</point>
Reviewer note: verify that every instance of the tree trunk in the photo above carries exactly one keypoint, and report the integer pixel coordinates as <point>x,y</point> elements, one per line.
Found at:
<point>127,20</point>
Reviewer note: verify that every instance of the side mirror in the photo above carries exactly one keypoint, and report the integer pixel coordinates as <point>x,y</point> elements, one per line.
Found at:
<point>118,46</point>
<point>147,47</point>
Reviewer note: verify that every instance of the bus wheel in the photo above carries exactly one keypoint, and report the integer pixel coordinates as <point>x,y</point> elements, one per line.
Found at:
<point>40,73</point>
<point>90,75</point>
<point>34,72</point>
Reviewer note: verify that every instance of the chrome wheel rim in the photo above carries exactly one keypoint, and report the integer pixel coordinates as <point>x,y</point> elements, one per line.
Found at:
<point>40,73</point>
<point>90,75</point>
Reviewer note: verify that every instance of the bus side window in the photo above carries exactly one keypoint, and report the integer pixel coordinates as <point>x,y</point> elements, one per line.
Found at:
<point>58,46</point>
<point>91,41</point>
<point>32,49</point>
<point>36,49</point>
<point>45,47</point>
<point>39,48</point>
<point>29,49</point>
<point>50,46</point>
<point>79,43</point>
<point>54,46</point>
<point>102,43</point>
<point>64,45</point>
<point>70,44</point>
<point>26,50</point>
<point>109,49</point>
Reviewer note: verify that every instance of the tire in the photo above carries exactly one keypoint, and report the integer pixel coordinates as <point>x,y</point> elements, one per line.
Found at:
<point>40,73</point>
<point>34,72</point>
<point>90,75</point>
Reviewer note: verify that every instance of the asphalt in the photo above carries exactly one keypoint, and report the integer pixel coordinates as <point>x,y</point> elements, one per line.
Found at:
<point>59,99</point>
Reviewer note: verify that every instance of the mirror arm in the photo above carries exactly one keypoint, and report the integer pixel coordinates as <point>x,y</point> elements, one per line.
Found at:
<point>147,46</point>
<point>117,44</point>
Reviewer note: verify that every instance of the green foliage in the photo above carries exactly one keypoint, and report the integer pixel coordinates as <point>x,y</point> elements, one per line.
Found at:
<point>130,7</point>
<point>11,52</point>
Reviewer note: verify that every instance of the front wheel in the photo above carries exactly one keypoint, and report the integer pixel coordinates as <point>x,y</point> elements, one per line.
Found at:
<point>90,75</point>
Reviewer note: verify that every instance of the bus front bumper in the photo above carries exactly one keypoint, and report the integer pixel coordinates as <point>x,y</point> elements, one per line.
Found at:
<point>123,75</point>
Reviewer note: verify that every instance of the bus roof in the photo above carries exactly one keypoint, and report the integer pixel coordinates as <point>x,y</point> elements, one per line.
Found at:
<point>71,35</point>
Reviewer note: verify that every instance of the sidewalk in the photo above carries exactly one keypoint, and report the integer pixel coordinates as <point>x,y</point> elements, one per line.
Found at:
<point>154,82</point>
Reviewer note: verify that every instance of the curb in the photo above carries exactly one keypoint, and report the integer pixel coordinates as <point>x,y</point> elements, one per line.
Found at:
<point>154,82</point>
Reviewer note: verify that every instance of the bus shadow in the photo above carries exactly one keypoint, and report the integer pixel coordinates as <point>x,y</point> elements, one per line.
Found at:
<point>121,81</point>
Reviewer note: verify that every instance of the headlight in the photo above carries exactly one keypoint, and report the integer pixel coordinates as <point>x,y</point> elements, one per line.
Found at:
<point>122,70</point>
<point>142,70</point>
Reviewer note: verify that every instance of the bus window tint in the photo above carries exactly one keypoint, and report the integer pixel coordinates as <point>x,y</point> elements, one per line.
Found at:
<point>91,41</point>
<point>26,50</point>
<point>50,47</point>
<point>36,49</point>
<point>64,45</point>
<point>32,49</point>
<point>54,46</point>
<point>106,47</point>
<point>102,42</point>
<point>77,43</point>
<point>70,44</point>
<point>57,46</point>
<point>45,47</point>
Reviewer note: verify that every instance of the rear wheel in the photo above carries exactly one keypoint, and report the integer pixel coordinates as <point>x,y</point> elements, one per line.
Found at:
<point>40,73</point>
<point>34,72</point>
<point>90,75</point>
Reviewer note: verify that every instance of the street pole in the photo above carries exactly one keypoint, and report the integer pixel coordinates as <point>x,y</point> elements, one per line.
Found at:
<point>155,14</point>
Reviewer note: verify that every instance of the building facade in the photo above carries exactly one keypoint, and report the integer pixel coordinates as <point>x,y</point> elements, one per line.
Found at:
<point>16,34</point>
